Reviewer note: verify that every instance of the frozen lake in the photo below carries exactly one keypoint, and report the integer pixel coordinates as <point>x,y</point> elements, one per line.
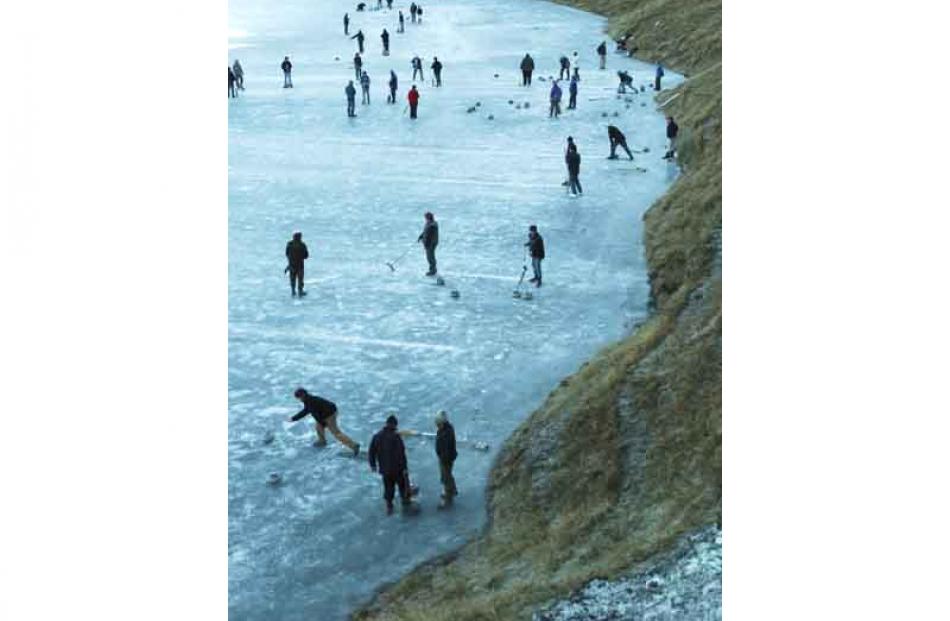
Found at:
<point>376,341</point>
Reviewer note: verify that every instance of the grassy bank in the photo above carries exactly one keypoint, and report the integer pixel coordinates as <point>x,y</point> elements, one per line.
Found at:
<point>625,455</point>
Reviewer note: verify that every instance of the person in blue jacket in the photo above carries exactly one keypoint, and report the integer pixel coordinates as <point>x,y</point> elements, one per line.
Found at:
<point>659,76</point>
<point>572,89</point>
<point>555,100</point>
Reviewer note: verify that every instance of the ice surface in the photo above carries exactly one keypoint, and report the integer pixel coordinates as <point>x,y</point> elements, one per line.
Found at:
<point>376,341</point>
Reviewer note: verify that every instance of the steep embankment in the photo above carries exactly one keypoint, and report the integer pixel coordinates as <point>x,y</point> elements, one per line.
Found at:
<point>625,456</point>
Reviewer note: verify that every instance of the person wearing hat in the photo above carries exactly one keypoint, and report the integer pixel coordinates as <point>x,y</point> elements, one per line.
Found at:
<point>387,455</point>
<point>445,450</point>
<point>296,253</point>
<point>535,246</point>
<point>324,412</point>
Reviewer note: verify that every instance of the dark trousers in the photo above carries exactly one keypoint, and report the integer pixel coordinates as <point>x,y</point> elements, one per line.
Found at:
<point>287,82</point>
<point>392,95</point>
<point>231,91</point>
<point>555,108</point>
<point>365,95</point>
<point>359,72</point>
<point>622,144</point>
<point>419,70</point>
<point>351,107</point>
<point>525,77</point>
<point>438,78</point>
<point>430,256</point>
<point>296,279</point>
<point>575,184</point>
<point>346,28</point>
<point>412,110</point>
<point>572,102</point>
<point>536,267</point>
<point>656,83</point>
<point>448,481</point>
<point>390,483</point>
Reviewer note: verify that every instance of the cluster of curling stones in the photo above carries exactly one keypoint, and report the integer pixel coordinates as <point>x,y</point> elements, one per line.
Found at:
<point>440,282</point>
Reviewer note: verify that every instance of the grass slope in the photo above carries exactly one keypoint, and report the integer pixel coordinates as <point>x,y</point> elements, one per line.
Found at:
<point>625,455</point>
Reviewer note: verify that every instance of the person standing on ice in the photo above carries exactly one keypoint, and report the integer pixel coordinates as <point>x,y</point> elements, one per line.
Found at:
<point>555,101</point>
<point>231,80</point>
<point>445,451</point>
<point>346,24</point>
<point>413,98</point>
<point>359,36</point>
<point>430,239</point>
<point>565,68</point>
<point>437,70</point>
<point>389,5</point>
<point>296,254</point>
<point>393,85</point>
<point>385,38</point>
<point>387,455</point>
<point>412,12</point>
<point>350,100</point>
<point>535,245</point>
<point>402,22</point>
<point>324,412</point>
<point>572,89</point>
<point>573,160</point>
<point>286,67</point>
<point>659,76</point>
<point>672,130</point>
<point>364,83</point>
<point>602,53</point>
<point>527,68</point>
<point>577,73</point>
<point>358,66</point>
<point>239,75</point>
<point>419,13</point>
<point>617,139</point>
<point>417,67</point>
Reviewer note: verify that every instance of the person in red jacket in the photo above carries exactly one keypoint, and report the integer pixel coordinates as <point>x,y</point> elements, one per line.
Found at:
<point>413,98</point>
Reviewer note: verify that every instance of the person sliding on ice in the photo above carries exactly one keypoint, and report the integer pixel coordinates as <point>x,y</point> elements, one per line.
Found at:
<point>296,254</point>
<point>565,68</point>
<point>527,67</point>
<point>393,85</point>
<point>413,98</point>
<point>437,70</point>
<point>573,159</point>
<point>364,83</point>
<point>617,139</point>
<point>350,100</point>
<point>286,67</point>
<point>359,36</point>
<point>572,89</point>
<point>324,412</point>
<point>535,246</point>
<point>555,101</point>
<point>602,53</point>
<point>239,75</point>
<point>672,129</point>
<point>385,38</point>
<point>445,451</point>
<point>387,455</point>
<point>402,22</point>
<point>417,66</point>
<point>430,239</point>
<point>346,24</point>
<point>231,80</point>
<point>358,66</point>
<point>412,12</point>
<point>625,81</point>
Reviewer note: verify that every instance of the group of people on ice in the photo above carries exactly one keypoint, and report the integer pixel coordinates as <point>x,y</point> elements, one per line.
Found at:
<point>387,452</point>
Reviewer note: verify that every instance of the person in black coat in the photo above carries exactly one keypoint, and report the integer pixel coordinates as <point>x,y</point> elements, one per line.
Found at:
<point>602,53</point>
<point>527,68</point>
<point>358,66</point>
<point>565,68</point>
<point>617,139</point>
<point>324,412</point>
<point>430,239</point>
<point>387,455</point>
<point>296,254</point>
<point>445,450</point>
<point>359,36</point>
<point>535,246</point>
<point>573,161</point>
<point>385,38</point>
<point>437,70</point>
<point>672,130</point>
<point>346,24</point>
<point>231,81</point>
<point>350,91</point>
<point>393,85</point>
<point>286,66</point>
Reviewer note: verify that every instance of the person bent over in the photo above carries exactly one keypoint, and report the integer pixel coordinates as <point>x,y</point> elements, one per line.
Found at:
<point>324,412</point>
<point>617,139</point>
<point>387,455</point>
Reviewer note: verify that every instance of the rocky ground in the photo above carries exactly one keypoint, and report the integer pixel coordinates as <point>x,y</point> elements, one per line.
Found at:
<point>684,583</point>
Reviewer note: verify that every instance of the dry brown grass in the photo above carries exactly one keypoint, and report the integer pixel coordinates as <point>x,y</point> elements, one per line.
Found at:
<point>625,455</point>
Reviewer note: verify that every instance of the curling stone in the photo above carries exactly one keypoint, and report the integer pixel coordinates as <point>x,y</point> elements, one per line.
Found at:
<point>616,114</point>
<point>491,117</point>
<point>471,110</point>
<point>440,281</point>
<point>455,293</point>
<point>268,437</point>
<point>527,104</point>
<point>516,294</point>
<point>478,104</point>
<point>527,296</point>
<point>511,102</point>
<point>274,478</point>
<point>496,75</point>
